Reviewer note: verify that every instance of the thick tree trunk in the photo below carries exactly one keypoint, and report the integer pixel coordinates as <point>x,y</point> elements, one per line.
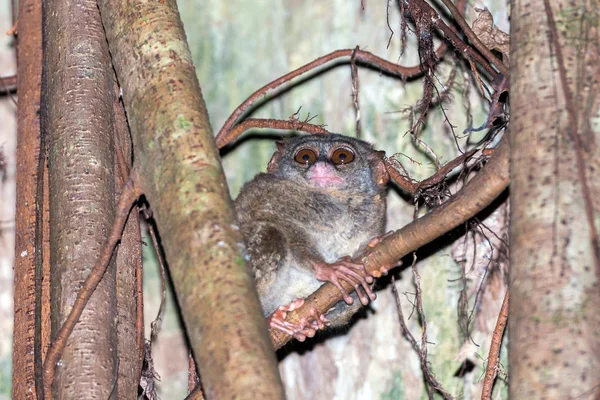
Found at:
<point>180,172</point>
<point>78,124</point>
<point>555,200</point>
<point>26,219</point>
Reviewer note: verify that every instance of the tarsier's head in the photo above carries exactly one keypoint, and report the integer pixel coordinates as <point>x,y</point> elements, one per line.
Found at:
<point>330,162</point>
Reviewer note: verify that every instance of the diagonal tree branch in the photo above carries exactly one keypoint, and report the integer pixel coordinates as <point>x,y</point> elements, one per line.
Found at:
<point>181,175</point>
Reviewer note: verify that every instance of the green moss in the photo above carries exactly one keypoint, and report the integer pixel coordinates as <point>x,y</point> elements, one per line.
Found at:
<point>183,123</point>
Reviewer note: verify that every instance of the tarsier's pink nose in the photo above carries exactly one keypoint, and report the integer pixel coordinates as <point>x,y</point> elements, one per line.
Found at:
<point>324,174</point>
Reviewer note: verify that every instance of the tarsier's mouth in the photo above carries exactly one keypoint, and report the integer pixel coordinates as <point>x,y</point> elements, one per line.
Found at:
<point>326,180</point>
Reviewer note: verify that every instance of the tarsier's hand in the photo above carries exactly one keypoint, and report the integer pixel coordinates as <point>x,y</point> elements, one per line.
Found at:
<point>354,273</point>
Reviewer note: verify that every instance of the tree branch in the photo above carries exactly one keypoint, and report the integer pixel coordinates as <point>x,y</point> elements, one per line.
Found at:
<point>466,50</point>
<point>460,20</point>
<point>360,56</point>
<point>494,354</point>
<point>267,123</point>
<point>8,84</point>
<point>182,177</point>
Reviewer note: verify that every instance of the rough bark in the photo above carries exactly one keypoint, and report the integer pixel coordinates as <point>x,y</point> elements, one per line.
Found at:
<point>77,121</point>
<point>555,200</point>
<point>181,175</point>
<point>28,144</point>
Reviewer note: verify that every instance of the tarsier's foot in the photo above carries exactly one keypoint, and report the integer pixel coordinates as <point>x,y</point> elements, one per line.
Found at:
<point>354,273</point>
<point>300,331</point>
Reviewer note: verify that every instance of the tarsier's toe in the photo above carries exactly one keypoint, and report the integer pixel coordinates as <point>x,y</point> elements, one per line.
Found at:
<point>300,331</point>
<point>375,241</point>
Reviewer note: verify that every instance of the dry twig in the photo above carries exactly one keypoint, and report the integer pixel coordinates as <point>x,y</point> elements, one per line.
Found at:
<point>267,123</point>
<point>354,74</point>
<point>9,84</point>
<point>361,56</point>
<point>494,354</point>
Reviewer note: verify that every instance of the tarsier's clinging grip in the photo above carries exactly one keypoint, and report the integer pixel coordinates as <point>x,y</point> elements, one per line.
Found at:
<point>319,204</point>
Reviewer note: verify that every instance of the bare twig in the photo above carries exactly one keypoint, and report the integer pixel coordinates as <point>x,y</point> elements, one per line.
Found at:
<point>420,350</point>
<point>405,331</point>
<point>467,51</point>
<point>264,123</point>
<point>354,74</point>
<point>9,87</point>
<point>432,382</point>
<point>128,196</point>
<point>387,21</point>
<point>361,56</point>
<point>494,354</point>
<point>419,143</point>
<point>412,186</point>
<point>9,84</point>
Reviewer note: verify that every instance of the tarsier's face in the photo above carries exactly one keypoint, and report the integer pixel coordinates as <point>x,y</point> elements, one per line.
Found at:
<point>327,162</point>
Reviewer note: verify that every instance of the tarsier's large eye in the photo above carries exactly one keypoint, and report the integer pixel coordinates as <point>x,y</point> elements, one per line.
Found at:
<point>305,156</point>
<point>343,155</point>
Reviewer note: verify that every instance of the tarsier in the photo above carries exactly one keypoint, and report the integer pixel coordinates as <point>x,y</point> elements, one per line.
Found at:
<point>318,205</point>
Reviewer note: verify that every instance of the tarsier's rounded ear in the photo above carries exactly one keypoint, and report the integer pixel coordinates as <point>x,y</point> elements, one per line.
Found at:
<point>381,175</point>
<point>274,163</point>
<point>280,146</point>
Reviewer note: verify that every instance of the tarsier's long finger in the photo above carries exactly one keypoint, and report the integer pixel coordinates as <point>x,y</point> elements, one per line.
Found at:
<point>360,268</point>
<point>362,281</point>
<point>320,320</point>
<point>279,325</point>
<point>342,270</point>
<point>298,331</point>
<point>337,284</point>
<point>358,271</point>
<point>364,300</point>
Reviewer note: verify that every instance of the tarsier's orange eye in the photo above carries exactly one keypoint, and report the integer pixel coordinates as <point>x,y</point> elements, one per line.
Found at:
<point>342,155</point>
<point>305,156</point>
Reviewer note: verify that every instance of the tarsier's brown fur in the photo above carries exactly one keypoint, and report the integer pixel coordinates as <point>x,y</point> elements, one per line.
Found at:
<point>299,219</point>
